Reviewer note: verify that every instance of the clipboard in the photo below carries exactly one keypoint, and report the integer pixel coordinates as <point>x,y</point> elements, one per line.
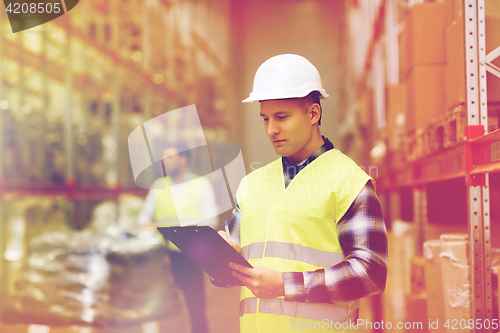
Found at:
<point>207,249</point>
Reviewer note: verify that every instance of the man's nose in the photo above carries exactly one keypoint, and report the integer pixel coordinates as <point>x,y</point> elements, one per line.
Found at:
<point>272,128</point>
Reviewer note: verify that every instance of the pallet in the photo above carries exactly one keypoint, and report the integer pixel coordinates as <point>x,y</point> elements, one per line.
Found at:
<point>413,146</point>
<point>453,126</point>
<point>442,133</point>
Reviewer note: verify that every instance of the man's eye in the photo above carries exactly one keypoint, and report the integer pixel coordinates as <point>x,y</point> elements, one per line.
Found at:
<point>281,118</point>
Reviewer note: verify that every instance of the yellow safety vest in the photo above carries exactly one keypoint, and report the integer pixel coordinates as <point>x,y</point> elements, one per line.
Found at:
<point>189,203</point>
<point>295,230</point>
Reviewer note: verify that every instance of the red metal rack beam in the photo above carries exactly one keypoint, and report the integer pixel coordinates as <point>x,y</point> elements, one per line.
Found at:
<point>474,155</point>
<point>69,189</point>
<point>484,156</point>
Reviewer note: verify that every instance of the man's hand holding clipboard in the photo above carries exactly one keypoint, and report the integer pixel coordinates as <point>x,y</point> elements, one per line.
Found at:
<point>209,250</point>
<point>264,282</point>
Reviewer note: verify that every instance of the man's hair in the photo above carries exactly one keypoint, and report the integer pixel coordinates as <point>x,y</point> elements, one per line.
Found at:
<point>311,98</point>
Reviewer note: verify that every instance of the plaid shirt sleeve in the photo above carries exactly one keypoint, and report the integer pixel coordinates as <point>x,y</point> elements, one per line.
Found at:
<point>363,238</point>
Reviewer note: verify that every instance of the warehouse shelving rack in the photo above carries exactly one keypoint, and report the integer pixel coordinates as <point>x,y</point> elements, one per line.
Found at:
<point>141,75</point>
<point>473,160</point>
<point>69,189</point>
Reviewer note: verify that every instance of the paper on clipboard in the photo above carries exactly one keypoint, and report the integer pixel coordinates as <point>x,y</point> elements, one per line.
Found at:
<point>208,250</point>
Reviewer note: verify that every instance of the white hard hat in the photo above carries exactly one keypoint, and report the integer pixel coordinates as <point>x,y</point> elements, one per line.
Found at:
<point>285,76</point>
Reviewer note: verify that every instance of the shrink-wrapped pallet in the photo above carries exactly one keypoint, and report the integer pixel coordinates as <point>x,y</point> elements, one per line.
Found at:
<point>416,313</point>
<point>417,276</point>
<point>434,281</point>
<point>401,250</point>
<point>455,274</point>
<point>64,281</point>
<point>91,279</point>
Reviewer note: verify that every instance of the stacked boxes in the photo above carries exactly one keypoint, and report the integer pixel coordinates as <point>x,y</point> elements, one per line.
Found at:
<point>416,310</point>
<point>433,61</point>
<point>416,301</point>
<point>492,7</point>
<point>455,68</point>
<point>398,289</point>
<point>417,275</point>
<point>396,103</point>
<point>426,95</point>
<point>457,9</point>
<point>423,40</point>
<point>423,61</point>
<point>492,42</point>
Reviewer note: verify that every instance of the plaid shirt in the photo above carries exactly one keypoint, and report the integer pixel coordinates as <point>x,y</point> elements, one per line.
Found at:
<point>363,238</point>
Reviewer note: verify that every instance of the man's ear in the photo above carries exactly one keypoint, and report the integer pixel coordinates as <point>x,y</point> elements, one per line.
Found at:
<point>315,112</point>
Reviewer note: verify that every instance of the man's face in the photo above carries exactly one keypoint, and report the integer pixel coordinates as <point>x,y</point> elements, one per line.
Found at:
<point>288,127</point>
<point>172,161</point>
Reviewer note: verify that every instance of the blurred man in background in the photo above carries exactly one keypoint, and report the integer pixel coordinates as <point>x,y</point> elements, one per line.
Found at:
<point>169,198</point>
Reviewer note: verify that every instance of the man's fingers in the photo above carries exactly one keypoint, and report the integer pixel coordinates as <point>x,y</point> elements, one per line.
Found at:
<point>149,226</point>
<point>245,279</point>
<point>223,235</point>
<point>240,268</point>
<point>262,281</point>
<point>236,267</point>
<point>234,245</point>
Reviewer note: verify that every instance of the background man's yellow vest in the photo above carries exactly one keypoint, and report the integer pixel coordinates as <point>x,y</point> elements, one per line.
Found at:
<point>189,204</point>
<point>295,230</point>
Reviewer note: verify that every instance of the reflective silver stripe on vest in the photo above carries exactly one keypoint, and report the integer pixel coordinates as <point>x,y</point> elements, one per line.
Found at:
<point>292,252</point>
<point>315,311</point>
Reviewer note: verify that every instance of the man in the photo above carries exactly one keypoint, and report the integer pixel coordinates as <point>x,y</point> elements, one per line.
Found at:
<point>174,200</point>
<point>310,223</point>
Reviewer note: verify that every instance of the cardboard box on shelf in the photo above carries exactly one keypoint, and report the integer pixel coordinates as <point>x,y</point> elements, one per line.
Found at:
<point>365,108</point>
<point>434,281</point>
<point>417,275</point>
<point>401,249</point>
<point>423,38</point>
<point>425,97</point>
<point>396,103</point>
<point>492,7</point>
<point>457,9</point>
<point>493,117</point>
<point>455,67</point>
<point>416,314</point>
<point>492,23</point>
